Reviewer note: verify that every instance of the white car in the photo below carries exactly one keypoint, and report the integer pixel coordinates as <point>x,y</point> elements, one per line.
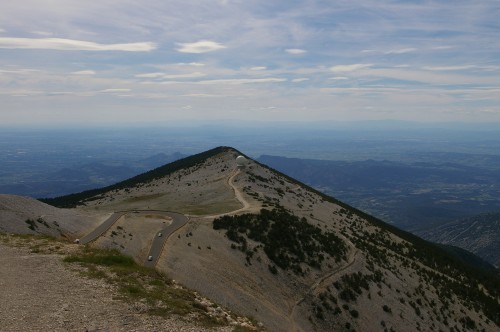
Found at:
<point>160,234</point>
<point>150,258</point>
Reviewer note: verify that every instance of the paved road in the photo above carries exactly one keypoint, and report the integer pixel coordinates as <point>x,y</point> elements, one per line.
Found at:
<point>178,220</point>
<point>102,228</point>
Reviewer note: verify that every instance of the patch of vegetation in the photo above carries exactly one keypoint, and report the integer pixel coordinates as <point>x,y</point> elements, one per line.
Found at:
<point>31,224</point>
<point>138,283</point>
<point>350,286</point>
<point>102,257</point>
<point>289,242</point>
<point>36,243</point>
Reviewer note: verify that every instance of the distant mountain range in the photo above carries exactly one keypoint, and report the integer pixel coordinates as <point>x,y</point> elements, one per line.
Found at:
<point>266,245</point>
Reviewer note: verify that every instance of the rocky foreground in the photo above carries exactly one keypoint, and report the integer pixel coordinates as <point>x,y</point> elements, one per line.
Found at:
<point>39,292</point>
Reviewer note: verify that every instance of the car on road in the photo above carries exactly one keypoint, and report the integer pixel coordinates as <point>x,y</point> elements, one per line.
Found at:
<point>150,258</point>
<point>160,234</point>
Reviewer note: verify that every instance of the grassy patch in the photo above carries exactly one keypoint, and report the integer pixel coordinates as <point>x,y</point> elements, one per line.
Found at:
<point>36,243</point>
<point>102,257</point>
<point>136,283</point>
<point>133,283</point>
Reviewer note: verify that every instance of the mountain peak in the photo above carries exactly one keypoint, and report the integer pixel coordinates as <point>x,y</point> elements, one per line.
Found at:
<point>73,200</point>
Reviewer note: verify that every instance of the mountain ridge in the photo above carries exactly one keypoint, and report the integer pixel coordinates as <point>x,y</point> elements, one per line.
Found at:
<point>72,200</point>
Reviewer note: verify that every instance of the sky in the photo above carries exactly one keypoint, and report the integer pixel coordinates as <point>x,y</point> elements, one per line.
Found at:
<point>160,61</point>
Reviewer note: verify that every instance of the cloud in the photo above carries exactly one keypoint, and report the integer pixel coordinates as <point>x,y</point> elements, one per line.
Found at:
<point>150,75</point>
<point>236,81</point>
<point>338,78</point>
<point>42,33</point>
<point>443,47</point>
<point>446,68</point>
<point>84,72</point>
<point>72,45</point>
<point>298,80</point>
<point>114,90</point>
<point>169,77</point>
<point>349,68</point>
<point>402,51</point>
<point>258,68</point>
<point>19,71</point>
<point>202,46</point>
<point>295,51</point>
<point>201,95</point>
<point>194,64</point>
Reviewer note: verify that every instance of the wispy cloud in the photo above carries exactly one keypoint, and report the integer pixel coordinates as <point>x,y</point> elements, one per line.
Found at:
<point>72,45</point>
<point>114,90</point>
<point>170,76</point>
<point>84,72</point>
<point>339,78</point>
<point>349,68</point>
<point>298,80</point>
<point>443,47</point>
<point>194,64</point>
<point>42,33</point>
<point>450,68</point>
<point>18,71</point>
<point>402,50</point>
<point>236,81</point>
<point>202,46</point>
<point>295,51</point>
<point>258,68</point>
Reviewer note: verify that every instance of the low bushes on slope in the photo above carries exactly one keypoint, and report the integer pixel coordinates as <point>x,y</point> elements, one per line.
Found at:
<point>289,242</point>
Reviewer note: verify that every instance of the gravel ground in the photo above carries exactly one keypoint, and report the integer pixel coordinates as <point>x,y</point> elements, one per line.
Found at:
<point>38,293</point>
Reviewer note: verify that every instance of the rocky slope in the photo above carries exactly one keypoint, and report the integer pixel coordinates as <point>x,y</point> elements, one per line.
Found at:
<point>42,293</point>
<point>25,215</point>
<point>270,247</point>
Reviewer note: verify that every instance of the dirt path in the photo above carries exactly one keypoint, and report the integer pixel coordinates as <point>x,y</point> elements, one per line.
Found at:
<point>351,259</point>
<point>238,195</point>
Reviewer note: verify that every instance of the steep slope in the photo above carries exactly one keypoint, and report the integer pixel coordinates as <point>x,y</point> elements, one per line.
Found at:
<point>25,215</point>
<point>479,234</point>
<point>266,245</point>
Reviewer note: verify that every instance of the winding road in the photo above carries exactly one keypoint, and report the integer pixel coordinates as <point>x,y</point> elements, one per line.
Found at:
<point>178,220</point>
